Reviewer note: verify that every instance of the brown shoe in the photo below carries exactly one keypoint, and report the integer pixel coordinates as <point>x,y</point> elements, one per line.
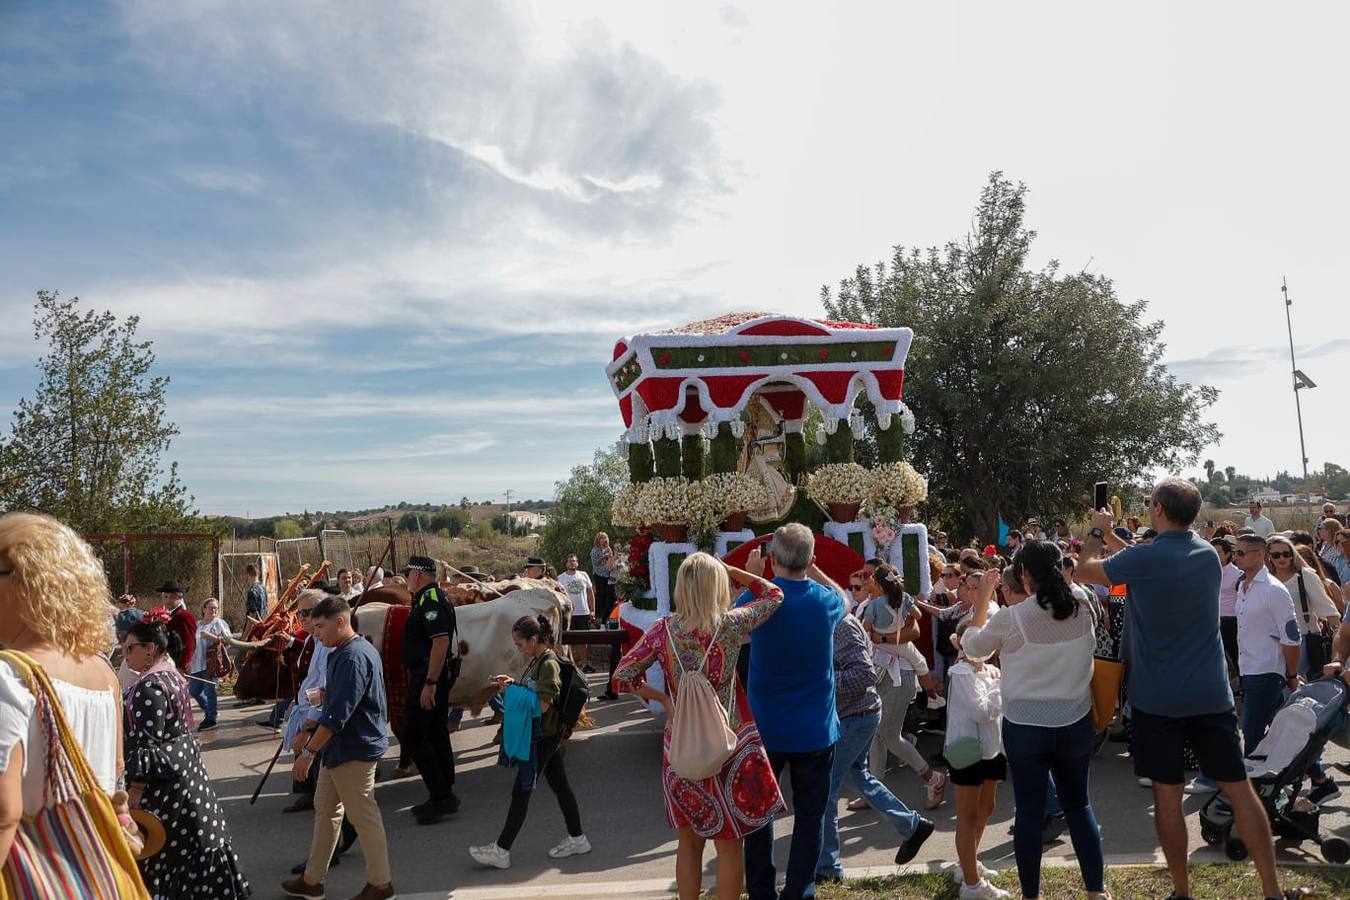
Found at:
<point>371,892</point>
<point>298,887</point>
<point>302,803</point>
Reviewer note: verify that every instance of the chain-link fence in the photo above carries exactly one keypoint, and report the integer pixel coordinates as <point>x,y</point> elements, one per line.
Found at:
<point>140,563</point>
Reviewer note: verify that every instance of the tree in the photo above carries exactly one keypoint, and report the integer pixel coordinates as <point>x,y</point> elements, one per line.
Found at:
<point>1209,470</point>
<point>88,447</point>
<point>581,507</point>
<point>286,529</point>
<point>1231,472</point>
<point>1027,386</point>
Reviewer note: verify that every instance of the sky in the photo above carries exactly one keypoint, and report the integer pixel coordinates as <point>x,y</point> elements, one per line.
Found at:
<point>384,249</point>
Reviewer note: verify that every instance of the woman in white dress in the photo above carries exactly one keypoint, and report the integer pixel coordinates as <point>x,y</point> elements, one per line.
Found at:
<point>54,605</point>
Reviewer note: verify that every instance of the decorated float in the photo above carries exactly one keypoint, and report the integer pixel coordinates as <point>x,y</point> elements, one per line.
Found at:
<point>717,415</point>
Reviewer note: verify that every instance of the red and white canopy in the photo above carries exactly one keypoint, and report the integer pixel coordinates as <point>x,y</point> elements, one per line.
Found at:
<point>709,371</point>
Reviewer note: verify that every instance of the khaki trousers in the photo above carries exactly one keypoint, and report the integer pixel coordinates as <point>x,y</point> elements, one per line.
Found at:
<point>349,787</point>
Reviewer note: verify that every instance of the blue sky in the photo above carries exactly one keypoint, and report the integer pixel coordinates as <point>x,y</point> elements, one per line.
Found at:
<point>383,249</point>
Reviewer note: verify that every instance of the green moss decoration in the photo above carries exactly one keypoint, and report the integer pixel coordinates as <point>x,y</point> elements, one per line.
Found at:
<point>676,559</point>
<point>647,603</point>
<point>640,463</point>
<point>726,450</point>
<point>856,543</point>
<point>891,442</point>
<point>839,446</point>
<point>913,558</point>
<point>794,455</point>
<point>667,454</point>
<point>759,356</point>
<point>691,457</point>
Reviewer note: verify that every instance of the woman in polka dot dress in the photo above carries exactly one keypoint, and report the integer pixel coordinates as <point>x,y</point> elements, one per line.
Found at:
<point>166,777</point>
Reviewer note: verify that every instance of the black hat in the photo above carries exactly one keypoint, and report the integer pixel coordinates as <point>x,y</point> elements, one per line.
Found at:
<point>469,570</point>
<point>171,587</point>
<point>1226,539</point>
<point>1124,534</point>
<point>421,564</point>
<point>532,561</point>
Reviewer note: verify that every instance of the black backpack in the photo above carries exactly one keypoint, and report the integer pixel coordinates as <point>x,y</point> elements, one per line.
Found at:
<point>573,695</point>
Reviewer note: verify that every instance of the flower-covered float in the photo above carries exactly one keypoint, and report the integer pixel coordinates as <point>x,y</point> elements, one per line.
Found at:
<point>717,414</point>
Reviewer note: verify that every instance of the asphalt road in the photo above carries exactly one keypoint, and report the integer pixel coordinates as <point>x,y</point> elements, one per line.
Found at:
<point>614,769</point>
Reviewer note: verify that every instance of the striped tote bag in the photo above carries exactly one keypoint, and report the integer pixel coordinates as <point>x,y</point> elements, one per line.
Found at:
<point>73,847</point>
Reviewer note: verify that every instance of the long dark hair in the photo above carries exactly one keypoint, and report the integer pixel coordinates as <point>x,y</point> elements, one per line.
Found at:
<point>894,591</point>
<point>534,627</point>
<point>1040,560</point>
<point>165,641</point>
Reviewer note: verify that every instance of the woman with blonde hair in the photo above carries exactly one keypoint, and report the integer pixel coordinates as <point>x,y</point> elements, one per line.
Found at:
<point>54,603</point>
<point>705,634</point>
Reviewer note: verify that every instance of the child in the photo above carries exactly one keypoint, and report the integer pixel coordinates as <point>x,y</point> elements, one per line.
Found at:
<point>974,719</point>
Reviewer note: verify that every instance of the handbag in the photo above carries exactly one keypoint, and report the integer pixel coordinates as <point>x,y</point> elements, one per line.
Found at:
<point>701,739</point>
<point>218,662</point>
<point>1317,644</point>
<point>963,752</point>
<point>73,847</point>
<point>1106,677</point>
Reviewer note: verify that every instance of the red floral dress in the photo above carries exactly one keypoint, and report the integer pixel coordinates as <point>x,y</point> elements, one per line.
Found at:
<point>744,795</point>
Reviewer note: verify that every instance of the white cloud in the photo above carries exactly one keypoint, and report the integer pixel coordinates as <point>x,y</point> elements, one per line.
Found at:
<point>247,183</point>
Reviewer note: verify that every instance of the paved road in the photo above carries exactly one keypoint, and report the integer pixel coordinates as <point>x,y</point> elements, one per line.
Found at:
<point>614,770</point>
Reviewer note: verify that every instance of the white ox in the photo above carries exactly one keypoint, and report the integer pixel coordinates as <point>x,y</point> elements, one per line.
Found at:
<point>485,645</point>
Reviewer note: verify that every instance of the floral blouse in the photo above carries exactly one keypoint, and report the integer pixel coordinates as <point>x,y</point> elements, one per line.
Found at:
<point>722,653</point>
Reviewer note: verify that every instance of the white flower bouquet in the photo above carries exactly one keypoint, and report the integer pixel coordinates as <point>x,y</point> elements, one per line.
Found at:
<point>728,493</point>
<point>839,483</point>
<point>624,510</point>
<point>668,501</point>
<point>897,484</point>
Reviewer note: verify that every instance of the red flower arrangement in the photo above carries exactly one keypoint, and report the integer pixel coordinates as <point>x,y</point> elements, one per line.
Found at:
<point>157,616</point>
<point>637,578</point>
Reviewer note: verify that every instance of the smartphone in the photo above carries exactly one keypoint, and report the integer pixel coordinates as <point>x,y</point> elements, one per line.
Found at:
<point>766,548</point>
<point>1100,499</point>
<point>1209,523</point>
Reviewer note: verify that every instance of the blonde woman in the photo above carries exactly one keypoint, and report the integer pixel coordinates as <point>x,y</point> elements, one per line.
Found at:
<point>706,632</point>
<point>54,603</point>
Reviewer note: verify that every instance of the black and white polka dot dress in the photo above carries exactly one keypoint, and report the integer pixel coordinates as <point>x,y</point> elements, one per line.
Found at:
<point>197,861</point>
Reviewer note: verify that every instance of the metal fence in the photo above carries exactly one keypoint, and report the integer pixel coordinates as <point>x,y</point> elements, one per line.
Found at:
<point>233,584</point>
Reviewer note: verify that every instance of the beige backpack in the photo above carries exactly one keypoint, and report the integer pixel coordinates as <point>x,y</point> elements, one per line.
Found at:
<point>701,739</point>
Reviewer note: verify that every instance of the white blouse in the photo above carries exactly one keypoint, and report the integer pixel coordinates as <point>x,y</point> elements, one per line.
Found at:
<point>975,707</point>
<point>93,717</point>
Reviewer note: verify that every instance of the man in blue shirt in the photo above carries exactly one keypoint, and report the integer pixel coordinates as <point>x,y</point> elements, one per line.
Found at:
<point>791,693</point>
<point>351,734</point>
<point>1178,677</point>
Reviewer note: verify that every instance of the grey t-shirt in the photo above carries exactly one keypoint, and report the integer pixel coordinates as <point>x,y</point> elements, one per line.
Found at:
<point>1176,661</point>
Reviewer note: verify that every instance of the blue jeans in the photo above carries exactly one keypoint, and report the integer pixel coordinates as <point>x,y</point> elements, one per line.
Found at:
<point>810,789</point>
<point>1262,697</point>
<point>204,693</point>
<point>278,715</point>
<point>850,761</point>
<point>1034,753</point>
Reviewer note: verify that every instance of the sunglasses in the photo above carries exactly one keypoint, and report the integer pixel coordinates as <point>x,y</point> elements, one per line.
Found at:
<point>303,613</point>
<point>1241,552</point>
<point>129,645</point>
<point>1283,554</point>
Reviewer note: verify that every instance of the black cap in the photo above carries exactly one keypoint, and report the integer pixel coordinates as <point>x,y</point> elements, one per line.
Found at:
<point>171,587</point>
<point>469,570</point>
<point>1226,539</point>
<point>421,564</point>
<point>532,561</point>
<point>1124,534</point>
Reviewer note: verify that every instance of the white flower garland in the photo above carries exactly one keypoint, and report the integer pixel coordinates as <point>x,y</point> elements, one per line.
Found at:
<point>897,484</point>
<point>839,483</point>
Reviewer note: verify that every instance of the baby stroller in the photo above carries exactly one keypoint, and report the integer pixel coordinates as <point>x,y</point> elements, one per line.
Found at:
<point>1313,715</point>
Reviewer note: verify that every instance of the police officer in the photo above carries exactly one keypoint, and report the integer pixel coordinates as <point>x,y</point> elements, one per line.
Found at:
<point>427,638</point>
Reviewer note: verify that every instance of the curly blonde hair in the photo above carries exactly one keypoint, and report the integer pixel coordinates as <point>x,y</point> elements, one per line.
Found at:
<point>57,586</point>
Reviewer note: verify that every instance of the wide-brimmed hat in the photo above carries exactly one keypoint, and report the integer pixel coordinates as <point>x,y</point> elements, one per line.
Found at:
<point>532,561</point>
<point>152,833</point>
<point>171,587</point>
<point>469,570</point>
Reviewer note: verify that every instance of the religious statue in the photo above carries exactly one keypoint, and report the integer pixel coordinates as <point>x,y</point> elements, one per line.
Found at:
<point>762,460</point>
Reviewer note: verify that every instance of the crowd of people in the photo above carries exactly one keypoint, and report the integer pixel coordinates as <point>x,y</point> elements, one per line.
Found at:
<point>812,681</point>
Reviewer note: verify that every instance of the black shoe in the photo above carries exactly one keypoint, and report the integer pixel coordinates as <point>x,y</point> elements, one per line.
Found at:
<point>609,695</point>
<point>1120,737</point>
<point>910,848</point>
<point>433,811</point>
<point>207,725</point>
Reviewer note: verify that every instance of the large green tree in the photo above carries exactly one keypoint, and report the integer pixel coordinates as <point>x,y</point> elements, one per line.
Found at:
<point>581,507</point>
<point>1027,386</point>
<point>89,446</point>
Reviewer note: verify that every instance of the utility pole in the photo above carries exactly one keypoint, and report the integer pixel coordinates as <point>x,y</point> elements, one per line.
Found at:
<point>1301,381</point>
<point>509,529</point>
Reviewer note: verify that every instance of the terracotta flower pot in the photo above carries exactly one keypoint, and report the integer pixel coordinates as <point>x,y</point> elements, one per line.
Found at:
<point>671,533</point>
<point>733,522</point>
<point>844,512</point>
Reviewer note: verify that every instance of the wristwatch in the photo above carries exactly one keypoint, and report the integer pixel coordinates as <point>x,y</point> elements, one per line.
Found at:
<point>429,682</point>
<point>306,751</point>
<point>1097,533</point>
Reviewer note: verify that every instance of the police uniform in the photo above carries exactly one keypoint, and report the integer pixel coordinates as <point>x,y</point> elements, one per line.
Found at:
<point>425,730</point>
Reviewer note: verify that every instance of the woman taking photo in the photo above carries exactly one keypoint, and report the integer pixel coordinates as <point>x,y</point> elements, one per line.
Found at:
<point>53,607</point>
<point>1045,647</point>
<point>707,633</point>
<point>211,628</point>
<point>534,638</point>
<point>165,775</point>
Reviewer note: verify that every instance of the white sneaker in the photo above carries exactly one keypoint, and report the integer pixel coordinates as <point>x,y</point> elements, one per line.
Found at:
<point>954,871</point>
<point>491,855</point>
<point>1146,782</point>
<point>983,891</point>
<point>571,846</point>
<point>936,702</point>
